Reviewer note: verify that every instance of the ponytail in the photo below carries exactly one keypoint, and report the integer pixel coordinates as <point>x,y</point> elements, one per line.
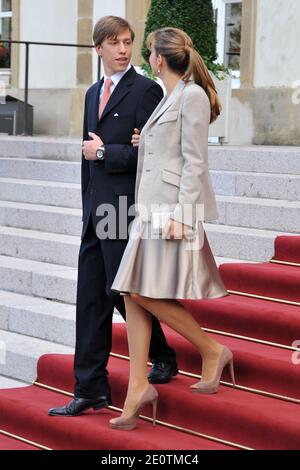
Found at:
<point>177,48</point>
<point>200,74</point>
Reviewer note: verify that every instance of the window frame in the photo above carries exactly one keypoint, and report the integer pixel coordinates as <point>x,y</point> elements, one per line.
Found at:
<point>5,14</point>
<point>220,13</point>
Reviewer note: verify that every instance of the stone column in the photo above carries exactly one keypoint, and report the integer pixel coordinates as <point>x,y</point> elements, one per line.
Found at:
<point>15,48</point>
<point>136,14</point>
<point>248,42</point>
<point>84,65</point>
<point>84,36</point>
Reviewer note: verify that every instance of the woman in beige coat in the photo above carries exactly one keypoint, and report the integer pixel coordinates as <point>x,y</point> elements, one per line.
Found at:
<point>168,256</point>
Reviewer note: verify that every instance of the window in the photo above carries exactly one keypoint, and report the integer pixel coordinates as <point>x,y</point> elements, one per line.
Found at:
<point>228,18</point>
<point>233,29</point>
<point>5,33</point>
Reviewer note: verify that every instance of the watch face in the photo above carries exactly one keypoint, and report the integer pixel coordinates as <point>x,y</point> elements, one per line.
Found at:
<point>100,154</point>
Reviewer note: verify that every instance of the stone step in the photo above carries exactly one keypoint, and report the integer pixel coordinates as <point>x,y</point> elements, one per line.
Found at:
<point>52,247</point>
<point>256,185</point>
<point>265,214</point>
<point>38,169</point>
<point>20,353</point>
<point>37,317</point>
<point>49,281</point>
<point>50,193</point>
<point>40,318</point>
<point>41,147</point>
<point>225,183</point>
<point>6,382</point>
<point>63,249</point>
<point>46,280</point>
<point>39,246</point>
<point>62,220</point>
<point>241,243</point>
<point>221,260</point>
<point>258,158</point>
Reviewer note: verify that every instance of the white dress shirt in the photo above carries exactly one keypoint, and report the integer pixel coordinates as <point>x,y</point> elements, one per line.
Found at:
<point>115,79</point>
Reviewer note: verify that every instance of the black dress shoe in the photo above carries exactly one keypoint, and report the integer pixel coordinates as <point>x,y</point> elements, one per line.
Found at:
<point>78,405</point>
<point>162,372</point>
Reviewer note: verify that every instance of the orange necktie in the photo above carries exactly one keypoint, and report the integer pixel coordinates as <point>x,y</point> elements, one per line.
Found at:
<point>105,96</point>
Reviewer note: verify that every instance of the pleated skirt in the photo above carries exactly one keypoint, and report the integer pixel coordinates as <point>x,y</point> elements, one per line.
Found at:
<point>167,269</point>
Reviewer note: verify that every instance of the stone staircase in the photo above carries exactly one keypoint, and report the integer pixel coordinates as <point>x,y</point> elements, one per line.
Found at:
<point>258,193</point>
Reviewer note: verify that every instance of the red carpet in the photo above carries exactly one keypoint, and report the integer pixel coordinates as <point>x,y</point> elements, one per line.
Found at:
<point>269,321</point>
<point>88,432</point>
<point>265,279</point>
<point>256,365</point>
<point>287,249</point>
<point>8,443</point>
<point>240,416</point>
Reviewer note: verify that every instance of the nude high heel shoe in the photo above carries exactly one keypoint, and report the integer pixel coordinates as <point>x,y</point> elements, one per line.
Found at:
<point>212,386</point>
<point>127,424</point>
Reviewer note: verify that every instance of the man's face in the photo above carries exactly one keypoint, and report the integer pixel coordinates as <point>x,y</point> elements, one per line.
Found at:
<point>116,52</point>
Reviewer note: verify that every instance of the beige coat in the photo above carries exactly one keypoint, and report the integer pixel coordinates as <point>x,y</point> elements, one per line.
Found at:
<point>172,161</point>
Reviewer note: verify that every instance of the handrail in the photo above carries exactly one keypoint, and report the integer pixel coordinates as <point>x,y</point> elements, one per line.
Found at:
<point>37,43</point>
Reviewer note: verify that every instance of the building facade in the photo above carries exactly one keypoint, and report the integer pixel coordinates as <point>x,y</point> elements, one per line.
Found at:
<point>257,40</point>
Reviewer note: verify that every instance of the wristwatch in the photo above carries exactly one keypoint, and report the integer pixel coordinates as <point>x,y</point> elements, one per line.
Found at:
<point>100,152</point>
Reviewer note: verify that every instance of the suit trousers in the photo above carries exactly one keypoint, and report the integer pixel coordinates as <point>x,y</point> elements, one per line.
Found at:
<point>98,264</point>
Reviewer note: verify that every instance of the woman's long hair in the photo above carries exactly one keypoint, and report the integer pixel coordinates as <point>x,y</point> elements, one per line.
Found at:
<point>177,48</point>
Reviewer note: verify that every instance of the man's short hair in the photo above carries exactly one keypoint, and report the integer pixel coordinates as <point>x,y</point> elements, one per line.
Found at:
<point>110,27</point>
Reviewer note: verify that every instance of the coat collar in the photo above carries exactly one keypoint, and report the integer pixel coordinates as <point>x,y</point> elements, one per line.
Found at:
<point>166,102</point>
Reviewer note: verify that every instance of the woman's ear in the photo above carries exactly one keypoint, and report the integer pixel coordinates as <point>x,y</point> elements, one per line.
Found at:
<point>159,60</point>
<point>159,63</point>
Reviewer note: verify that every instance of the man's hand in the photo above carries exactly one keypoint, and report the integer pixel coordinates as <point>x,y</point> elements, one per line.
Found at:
<point>90,147</point>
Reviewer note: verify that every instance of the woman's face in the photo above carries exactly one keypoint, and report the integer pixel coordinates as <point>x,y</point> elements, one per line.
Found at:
<point>154,60</point>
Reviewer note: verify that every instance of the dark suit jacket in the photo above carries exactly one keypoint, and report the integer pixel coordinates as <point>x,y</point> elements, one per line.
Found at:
<point>130,105</point>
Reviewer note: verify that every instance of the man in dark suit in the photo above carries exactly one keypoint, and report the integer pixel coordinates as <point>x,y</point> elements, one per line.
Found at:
<point>122,101</point>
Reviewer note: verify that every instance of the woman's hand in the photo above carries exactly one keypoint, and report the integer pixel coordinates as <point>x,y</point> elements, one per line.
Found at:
<point>174,230</point>
<point>136,137</point>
